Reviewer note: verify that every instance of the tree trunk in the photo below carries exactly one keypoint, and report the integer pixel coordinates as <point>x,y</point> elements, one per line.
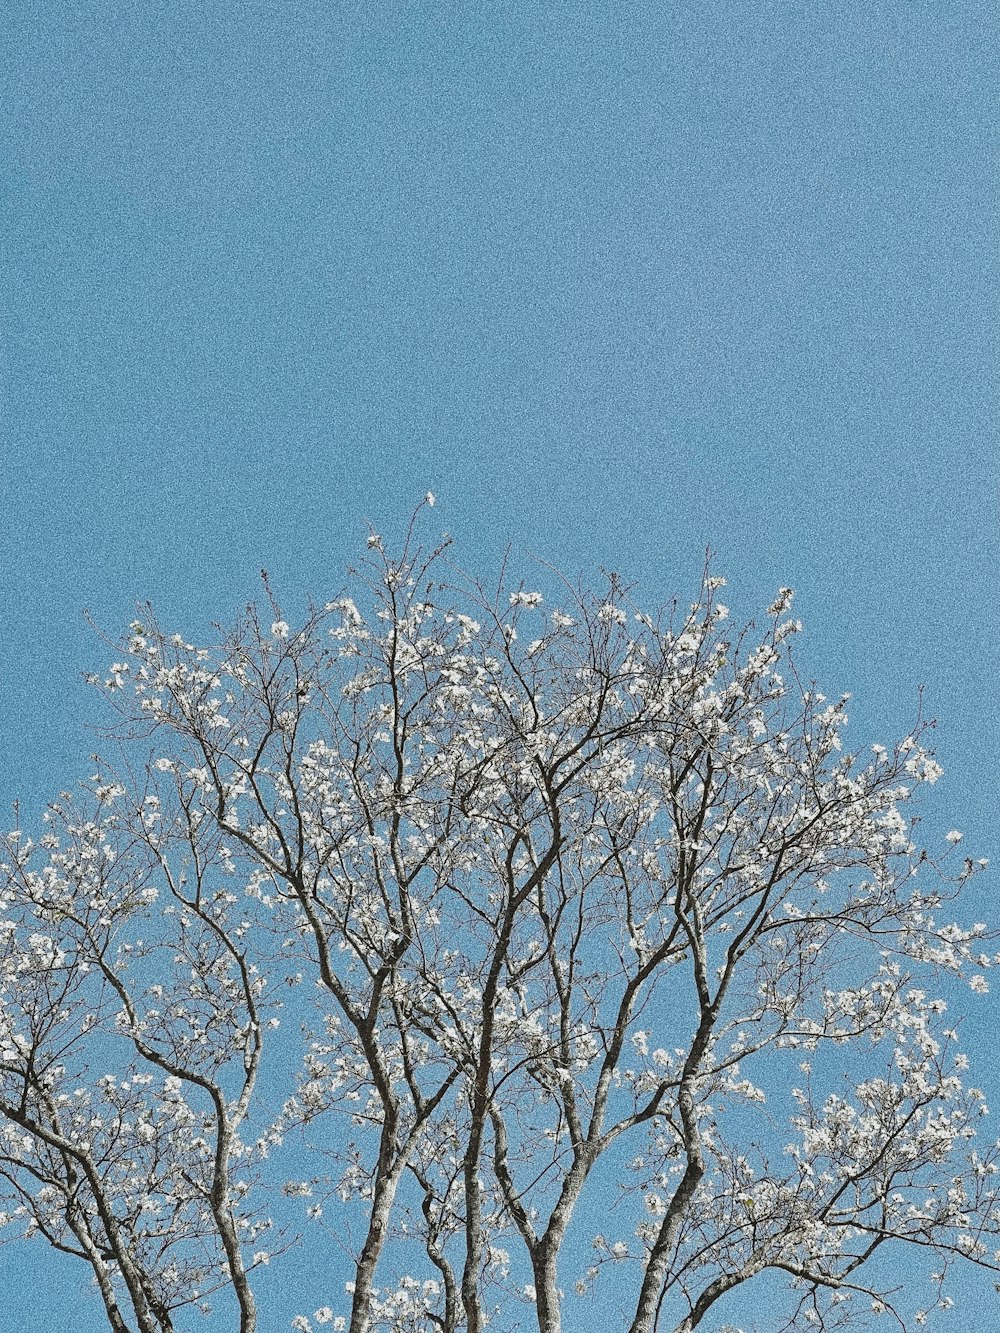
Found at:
<point>364,1276</point>
<point>546,1291</point>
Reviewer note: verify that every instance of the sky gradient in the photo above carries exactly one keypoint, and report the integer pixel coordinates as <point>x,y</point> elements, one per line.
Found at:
<point>617,282</point>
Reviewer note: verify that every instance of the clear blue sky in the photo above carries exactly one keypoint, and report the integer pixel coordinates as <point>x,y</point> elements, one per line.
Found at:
<point>616,281</point>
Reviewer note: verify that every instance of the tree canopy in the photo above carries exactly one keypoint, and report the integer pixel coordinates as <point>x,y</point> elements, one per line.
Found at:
<point>509,944</point>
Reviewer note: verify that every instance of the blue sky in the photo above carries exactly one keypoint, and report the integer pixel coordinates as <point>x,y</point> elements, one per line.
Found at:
<point>617,282</point>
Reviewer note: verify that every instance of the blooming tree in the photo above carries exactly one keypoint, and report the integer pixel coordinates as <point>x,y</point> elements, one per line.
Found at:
<point>570,914</point>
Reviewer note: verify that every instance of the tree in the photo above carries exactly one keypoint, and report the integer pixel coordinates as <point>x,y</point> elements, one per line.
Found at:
<point>571,905</point>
